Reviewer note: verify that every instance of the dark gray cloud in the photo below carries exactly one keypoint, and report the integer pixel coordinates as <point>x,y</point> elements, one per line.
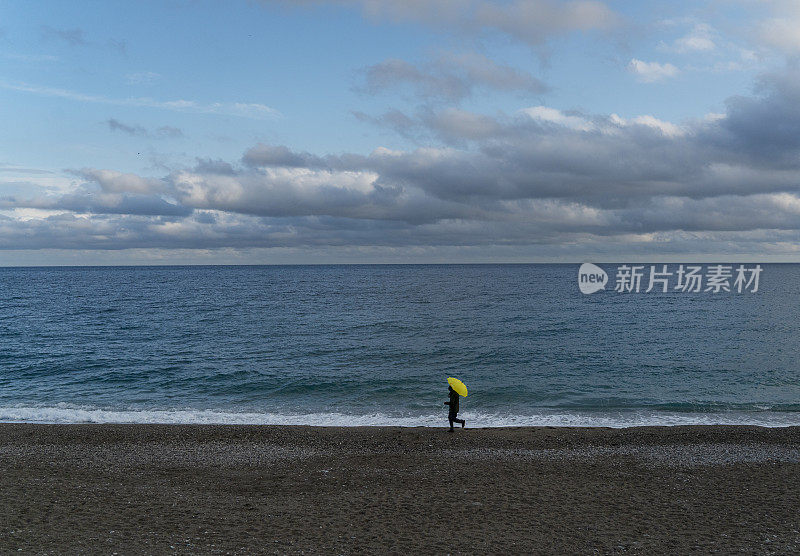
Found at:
<point>450,77</point>
<point>765,128</point>
<point>72,37</point>
<point>209,166</point>
<point>394,120</point>
<point>76,37</point>
<point>120,45</point>
<point>530,21</point>
<point>535,21</point>
<point>137,130</point>
<point>116,125</point>
<point>280,155</point>
<point>169,131</point>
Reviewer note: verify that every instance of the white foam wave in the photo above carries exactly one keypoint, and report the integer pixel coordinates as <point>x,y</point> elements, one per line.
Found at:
<point>64,413</point>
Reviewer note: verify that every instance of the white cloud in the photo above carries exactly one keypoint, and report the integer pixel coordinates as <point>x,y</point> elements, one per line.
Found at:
<point>713,116</point>
<point>781,33</point>
<point>650,72</point>
<point>241,109</point>
<point>112,181</point>
<point>555,116</point>
<point>610,125</point>
<point>23,214</point>
<point>699,39</point>
<point>666,128</point>
<point>693,44</point>
<point>30,57</point>
<point>142,77</point>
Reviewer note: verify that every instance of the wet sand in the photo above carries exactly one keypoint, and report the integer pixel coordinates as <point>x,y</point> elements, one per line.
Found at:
<point>241,489</point>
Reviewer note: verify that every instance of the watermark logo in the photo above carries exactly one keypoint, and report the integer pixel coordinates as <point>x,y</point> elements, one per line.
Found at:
<point>591,278</point>
<point>713,278</point>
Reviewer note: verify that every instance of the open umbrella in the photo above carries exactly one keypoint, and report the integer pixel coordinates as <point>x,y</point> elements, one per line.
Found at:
<point>458,386</point>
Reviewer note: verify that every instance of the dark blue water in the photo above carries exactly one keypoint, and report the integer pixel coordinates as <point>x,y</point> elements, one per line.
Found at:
<point>375,344</point>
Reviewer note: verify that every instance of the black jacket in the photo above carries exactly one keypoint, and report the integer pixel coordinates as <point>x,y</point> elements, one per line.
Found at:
<point>453,402</point>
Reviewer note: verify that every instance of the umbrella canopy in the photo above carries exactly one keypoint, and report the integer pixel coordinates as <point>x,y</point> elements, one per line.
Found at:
<point>458,386</point>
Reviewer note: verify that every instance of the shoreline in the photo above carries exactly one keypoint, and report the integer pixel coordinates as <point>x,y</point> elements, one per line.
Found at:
<point>287,489</point>
<point>705,428</point>
<point>544,418</point>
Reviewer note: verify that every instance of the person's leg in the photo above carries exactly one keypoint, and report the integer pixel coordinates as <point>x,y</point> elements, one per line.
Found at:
<point>454,419</point>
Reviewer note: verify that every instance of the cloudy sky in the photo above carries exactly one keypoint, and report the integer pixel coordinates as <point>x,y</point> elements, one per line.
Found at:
<point>399,131</point>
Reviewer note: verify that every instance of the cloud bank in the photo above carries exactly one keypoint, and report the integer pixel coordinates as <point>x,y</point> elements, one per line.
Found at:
<point>536,177</point>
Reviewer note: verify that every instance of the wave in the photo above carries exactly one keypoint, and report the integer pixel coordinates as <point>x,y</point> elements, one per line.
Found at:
<point>63,413</point>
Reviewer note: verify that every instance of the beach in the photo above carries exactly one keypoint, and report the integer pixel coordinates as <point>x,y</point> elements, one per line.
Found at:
<point>290,489</point>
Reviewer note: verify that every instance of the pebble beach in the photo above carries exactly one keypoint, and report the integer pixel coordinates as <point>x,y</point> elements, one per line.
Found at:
<point>286,489</point>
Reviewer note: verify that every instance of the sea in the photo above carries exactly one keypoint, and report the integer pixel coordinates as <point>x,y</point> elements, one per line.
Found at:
<point>353,345</point>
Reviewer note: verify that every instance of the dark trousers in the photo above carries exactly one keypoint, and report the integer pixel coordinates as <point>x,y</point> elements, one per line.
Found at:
<point>453,419</point>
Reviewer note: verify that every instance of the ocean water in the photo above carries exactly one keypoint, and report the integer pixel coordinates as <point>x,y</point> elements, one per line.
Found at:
<point>374,345</point>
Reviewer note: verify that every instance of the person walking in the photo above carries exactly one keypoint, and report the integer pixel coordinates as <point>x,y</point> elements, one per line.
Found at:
<point>453,413</point>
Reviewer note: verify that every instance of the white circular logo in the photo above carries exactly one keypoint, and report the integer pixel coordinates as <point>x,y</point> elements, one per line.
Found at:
<point>591,278</point>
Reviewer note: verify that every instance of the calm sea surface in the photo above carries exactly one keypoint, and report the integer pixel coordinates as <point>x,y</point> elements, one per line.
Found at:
<point>355,345</point>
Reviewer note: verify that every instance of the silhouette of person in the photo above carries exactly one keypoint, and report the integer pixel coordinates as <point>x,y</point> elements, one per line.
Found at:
<point>453,415</point>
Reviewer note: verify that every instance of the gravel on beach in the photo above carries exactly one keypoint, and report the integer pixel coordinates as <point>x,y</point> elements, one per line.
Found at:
<point>285,489</point>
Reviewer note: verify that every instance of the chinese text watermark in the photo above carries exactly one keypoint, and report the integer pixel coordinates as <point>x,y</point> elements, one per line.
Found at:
<point>684,278</point>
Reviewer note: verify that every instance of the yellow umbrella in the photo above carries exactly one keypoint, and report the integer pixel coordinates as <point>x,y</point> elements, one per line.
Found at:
<point>458,386</point>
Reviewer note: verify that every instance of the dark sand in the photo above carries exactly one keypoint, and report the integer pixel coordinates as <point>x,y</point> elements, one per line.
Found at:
<point>219,489</point>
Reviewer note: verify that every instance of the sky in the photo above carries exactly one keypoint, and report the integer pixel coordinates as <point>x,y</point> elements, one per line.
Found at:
<point>399,131</point>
